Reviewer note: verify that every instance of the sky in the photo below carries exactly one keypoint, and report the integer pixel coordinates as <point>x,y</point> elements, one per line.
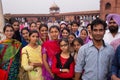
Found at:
<point>42,6</point>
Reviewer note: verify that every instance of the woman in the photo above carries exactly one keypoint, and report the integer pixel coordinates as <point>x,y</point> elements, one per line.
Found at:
<point>25,36</point>
<point>43,30</point>
<point>9,53</point>
<point>49,50</point>
<point>32,57</point>
<point>65,32</point>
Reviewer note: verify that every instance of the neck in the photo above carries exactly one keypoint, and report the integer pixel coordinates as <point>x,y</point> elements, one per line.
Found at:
<point>98,44</point>
<point>113,34</point>
<point>33,44</point>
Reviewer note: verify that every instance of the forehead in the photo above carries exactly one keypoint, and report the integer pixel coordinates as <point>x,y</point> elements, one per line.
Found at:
<point>98,26</point>
<point>112,20</point>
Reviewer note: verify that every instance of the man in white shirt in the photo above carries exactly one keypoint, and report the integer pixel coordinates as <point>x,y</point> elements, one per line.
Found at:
<point>113,31</point>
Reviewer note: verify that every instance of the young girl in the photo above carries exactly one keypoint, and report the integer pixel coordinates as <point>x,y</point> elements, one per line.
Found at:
<point>77,43</point>
<point>9,53</point>
<point>49,49</point>
<point>63,63</point>
<point>32,57</point>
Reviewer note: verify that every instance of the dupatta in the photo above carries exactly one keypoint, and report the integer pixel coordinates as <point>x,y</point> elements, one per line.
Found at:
<point>8,49</point>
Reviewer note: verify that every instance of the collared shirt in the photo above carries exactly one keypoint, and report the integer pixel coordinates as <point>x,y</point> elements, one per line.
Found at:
<point>96,63</point>
<point>108,37</point>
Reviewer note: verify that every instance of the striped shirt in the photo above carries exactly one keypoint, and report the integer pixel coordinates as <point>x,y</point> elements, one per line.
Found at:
<point>95,62</point>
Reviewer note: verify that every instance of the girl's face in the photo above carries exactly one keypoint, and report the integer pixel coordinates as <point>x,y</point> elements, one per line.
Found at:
<point>43,32</point>
<point>34,38</point>
<point>33,27</point>
<point>71,38</point>
<point>9,32</point>
<point>65,34</point>
<point>25,34</point>
<point>16,26</point>
<point>64,46</point>
<point>54,33</point>
<point>69,27</point>
<point>83,35</point>
<point>76,46</point>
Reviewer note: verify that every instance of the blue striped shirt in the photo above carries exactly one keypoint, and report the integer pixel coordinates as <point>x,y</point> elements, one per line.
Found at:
<point>95,62</point>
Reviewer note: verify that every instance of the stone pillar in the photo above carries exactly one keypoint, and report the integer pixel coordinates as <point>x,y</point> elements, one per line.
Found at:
<point>1,17</point>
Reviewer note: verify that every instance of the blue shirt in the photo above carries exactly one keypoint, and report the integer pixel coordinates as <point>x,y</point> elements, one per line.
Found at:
<point>116,63</point>
<point>95,62</point>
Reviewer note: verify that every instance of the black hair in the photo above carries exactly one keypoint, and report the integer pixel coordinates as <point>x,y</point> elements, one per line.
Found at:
<point>43,25</point>
<point>25,28</point>
<point>72,34</point>
<point>7,26</point>
<point>66,30</point>
<point>88,25</point>
<point>78,40</point>
<point>84,30</point>
<point>33,31</point>
<point>74,22</point>
<point>64,39</point>
<point>54,26</point>
<point>32,23</point>
<point>97,22</point>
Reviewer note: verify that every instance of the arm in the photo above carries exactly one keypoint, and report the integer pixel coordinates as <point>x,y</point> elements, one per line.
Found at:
<point>80,63</point>
<point>115,65</point>
<point>54,67</point>
<point>24,61</point>
<point>46,64</point>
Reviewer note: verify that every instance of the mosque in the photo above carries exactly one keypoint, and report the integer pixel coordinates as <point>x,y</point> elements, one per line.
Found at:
<point>106,7</point>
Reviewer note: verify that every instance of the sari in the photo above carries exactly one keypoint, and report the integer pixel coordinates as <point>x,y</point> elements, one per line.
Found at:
<point>50,48</point>
<point>11,51</point>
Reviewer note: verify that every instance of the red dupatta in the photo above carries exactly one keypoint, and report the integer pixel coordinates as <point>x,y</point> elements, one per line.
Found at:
<point>52,48</point>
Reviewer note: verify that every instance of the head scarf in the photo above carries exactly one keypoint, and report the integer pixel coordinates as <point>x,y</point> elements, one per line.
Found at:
<point>115,17</point>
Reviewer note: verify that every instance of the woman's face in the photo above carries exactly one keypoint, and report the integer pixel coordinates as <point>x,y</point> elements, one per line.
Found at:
<point>34,38</point>
<point>83,35</point>
<point>43,32</point>
<point>9,32</point>
<point>71,38</point>
<point>16,26</point>
<point>65,34</point>
<point>25,34</point>
<point>33,27</point>
<point>54,33</point>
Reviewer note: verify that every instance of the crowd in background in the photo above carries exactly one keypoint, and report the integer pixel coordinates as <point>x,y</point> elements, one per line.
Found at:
<point>65,51</point>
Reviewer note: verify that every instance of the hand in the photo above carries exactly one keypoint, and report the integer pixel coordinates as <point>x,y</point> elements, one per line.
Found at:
<point>36,64</point>
<point>114,77</point>
<point>65,70</point>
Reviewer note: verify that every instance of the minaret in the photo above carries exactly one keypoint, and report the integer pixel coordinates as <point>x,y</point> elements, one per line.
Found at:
<point>1,17</point>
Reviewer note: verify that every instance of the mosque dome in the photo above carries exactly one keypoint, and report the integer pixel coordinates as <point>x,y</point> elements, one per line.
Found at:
<point>54,7</point>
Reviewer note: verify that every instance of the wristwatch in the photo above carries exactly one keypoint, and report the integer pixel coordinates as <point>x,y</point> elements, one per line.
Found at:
<point>60,70</point>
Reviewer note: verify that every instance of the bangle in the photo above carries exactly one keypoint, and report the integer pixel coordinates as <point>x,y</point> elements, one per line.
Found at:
<point>60,70</point>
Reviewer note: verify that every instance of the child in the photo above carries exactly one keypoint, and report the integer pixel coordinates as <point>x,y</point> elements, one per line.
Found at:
<point>77,43</point>
<point>63,63</point>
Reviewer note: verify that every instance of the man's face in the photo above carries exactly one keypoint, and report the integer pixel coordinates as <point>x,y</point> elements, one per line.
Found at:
<point>98,32</point>
<point>113,27</point>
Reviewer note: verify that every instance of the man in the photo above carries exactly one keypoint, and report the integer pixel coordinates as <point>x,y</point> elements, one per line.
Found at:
<point>113,31</point>
<point>95,57</point>
<point>116,65</point>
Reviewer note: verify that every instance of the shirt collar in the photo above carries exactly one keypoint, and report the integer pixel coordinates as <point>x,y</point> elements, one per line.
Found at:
<point>92,44</point>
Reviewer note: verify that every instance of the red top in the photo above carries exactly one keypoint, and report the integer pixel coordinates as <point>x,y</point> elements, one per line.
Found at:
<point>56,70</point>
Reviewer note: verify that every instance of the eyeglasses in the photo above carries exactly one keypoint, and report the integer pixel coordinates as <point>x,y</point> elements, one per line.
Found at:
<point>112,22</point>
<point>64,45</point>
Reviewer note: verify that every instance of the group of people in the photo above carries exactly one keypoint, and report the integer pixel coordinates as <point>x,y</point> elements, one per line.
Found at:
<point>63,52</point>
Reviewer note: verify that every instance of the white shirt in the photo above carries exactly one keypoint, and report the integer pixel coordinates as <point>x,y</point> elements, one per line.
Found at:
<point>108,37</point>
